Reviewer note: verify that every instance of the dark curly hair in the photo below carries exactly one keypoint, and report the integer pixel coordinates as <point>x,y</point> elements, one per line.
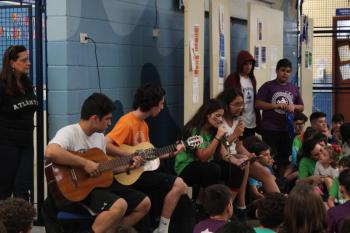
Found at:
<point>148,96</point>
<point>270,210</point>
<point>17,215</point>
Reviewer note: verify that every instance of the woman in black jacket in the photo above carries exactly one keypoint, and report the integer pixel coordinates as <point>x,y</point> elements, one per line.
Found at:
<point>17,106</point>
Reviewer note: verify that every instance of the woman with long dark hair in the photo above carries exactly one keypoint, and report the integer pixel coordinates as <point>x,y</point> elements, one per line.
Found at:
<point>233,102</point>
<point>17,106</point>
<point>210,163</point>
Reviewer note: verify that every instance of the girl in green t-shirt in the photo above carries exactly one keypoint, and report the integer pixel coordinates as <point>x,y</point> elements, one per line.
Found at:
<point>201,166</point>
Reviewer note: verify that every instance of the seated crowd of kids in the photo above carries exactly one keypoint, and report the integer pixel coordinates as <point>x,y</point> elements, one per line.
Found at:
<point>287,180</point>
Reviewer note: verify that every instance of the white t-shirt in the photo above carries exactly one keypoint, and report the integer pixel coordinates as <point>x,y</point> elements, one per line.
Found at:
<point>73,138</point>
<point>230,130</point>
<point>329,171</point>
<point>248,115</point>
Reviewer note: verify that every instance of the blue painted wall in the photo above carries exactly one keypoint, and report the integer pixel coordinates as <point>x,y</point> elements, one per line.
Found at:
<point>290,39</point>
<point>128,57</point>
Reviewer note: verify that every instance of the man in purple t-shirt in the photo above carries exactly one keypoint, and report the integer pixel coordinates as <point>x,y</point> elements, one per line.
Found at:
<point>277,98</point>
<point>218,205</point>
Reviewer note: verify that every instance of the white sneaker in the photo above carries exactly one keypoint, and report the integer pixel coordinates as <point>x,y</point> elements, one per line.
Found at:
<point>159,231</point>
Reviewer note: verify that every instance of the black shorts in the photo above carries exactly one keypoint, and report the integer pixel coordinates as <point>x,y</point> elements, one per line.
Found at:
<point>152,181</point>
<point>101,199</point>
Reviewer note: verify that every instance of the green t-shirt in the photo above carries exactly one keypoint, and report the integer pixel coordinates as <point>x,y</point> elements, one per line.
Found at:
<point>297,144</point>
<point>334,192</point>
<point>186,157</point>
<point>295,148</point>
<point>263,230</point>
<point>306,167</point>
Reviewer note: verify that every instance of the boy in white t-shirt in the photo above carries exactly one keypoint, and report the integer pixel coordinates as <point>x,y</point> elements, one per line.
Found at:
<point>115,204</point>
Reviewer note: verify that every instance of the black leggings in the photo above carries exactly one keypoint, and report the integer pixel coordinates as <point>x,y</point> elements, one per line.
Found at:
<point>16,173</point>
<point>208,173</point>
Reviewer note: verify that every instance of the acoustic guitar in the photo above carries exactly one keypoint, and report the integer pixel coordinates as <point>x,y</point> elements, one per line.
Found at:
<point>151,155</point>
<point>75,184</point>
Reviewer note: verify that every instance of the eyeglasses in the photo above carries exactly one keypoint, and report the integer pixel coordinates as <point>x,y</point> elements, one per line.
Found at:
<point>248,63</point>
<point>237,105</point>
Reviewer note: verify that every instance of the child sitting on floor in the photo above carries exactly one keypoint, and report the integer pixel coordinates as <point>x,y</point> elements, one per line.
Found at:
<point>326,166</point>
<point>263,150</point>
<point>335,196</point>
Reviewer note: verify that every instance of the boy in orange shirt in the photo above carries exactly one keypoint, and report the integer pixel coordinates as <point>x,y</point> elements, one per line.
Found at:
<point>131,129</point>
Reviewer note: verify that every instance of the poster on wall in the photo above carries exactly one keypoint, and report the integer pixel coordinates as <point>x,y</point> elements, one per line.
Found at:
<point>345,71</point>
<point>221,18</point>
<point>306,59</point>
<point>195,60</point>
<point>263,57</point>
<point>259,26</point>
<point>344,53</point>
<point>221,49</point>
<point>257,57</point>
<point>221,62</point>
<point>310,60</point>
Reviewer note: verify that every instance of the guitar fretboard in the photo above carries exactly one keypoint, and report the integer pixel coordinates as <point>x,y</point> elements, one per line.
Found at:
<point>147,154</point>
<point>114,163</point>
<point>156,152</point>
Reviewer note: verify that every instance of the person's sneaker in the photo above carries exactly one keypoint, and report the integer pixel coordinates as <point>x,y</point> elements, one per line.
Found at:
<point>158,231</point>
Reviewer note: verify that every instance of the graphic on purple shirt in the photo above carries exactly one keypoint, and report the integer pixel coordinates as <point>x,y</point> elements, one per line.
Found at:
<point>275,93</point>
<point>208,226</point>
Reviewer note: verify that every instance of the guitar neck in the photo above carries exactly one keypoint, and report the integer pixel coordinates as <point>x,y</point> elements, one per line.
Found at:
<point>165,150</point>
<point>152,153</point>
<point>115,163</point>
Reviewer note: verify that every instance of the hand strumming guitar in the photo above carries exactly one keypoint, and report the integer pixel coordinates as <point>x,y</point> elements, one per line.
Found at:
<point>91,168</point>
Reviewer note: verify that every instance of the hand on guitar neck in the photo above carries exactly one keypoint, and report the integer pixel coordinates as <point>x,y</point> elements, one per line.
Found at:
<point>179,148</point>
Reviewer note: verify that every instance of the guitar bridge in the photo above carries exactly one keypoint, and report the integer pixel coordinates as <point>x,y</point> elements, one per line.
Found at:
<point>74,177</point>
